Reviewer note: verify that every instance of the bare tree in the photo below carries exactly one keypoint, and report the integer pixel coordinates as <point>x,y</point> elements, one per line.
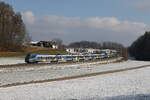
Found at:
<point>12,28</point>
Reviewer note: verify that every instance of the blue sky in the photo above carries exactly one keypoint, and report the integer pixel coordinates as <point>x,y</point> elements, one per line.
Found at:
<point>132,11</point>
<point>121,9</point>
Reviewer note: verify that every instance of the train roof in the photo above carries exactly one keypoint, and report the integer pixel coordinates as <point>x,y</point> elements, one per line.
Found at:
<point>38,54</point>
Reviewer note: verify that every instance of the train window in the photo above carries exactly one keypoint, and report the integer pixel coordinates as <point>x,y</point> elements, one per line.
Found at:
<point>32,56</point>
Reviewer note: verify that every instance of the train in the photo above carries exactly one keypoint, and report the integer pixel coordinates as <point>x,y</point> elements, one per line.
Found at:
<point>37,58</point>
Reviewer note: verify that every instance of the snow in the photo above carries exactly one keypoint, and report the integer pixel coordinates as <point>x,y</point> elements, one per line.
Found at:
<point>34,73</point>
<point>11,60</point>
<point>128,85</point>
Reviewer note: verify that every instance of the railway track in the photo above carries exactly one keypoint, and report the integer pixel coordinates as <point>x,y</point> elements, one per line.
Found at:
<point>52,63</point>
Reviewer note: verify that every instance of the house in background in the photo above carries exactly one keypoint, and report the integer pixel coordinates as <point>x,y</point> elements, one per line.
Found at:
<point>45,44</point>
<point>91,50</point>
<point>75,50</point>
<point>82,50</point>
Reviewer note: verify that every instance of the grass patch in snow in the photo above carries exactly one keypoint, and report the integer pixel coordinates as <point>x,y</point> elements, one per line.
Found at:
<point>39,50</point>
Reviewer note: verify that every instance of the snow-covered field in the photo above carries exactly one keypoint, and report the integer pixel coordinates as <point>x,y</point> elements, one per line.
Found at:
<point>35,73</point>
<point>11,60</point>
<point>128,85</point>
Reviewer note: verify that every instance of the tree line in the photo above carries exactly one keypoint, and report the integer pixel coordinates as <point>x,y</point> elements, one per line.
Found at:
<point>12,29</point>
<point>122,51</point>
<point>140,48</point>
<point>96,45</point>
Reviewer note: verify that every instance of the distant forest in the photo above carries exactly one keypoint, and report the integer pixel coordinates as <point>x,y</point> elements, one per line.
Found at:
<point>96,45</point>
<point>140,49</point>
